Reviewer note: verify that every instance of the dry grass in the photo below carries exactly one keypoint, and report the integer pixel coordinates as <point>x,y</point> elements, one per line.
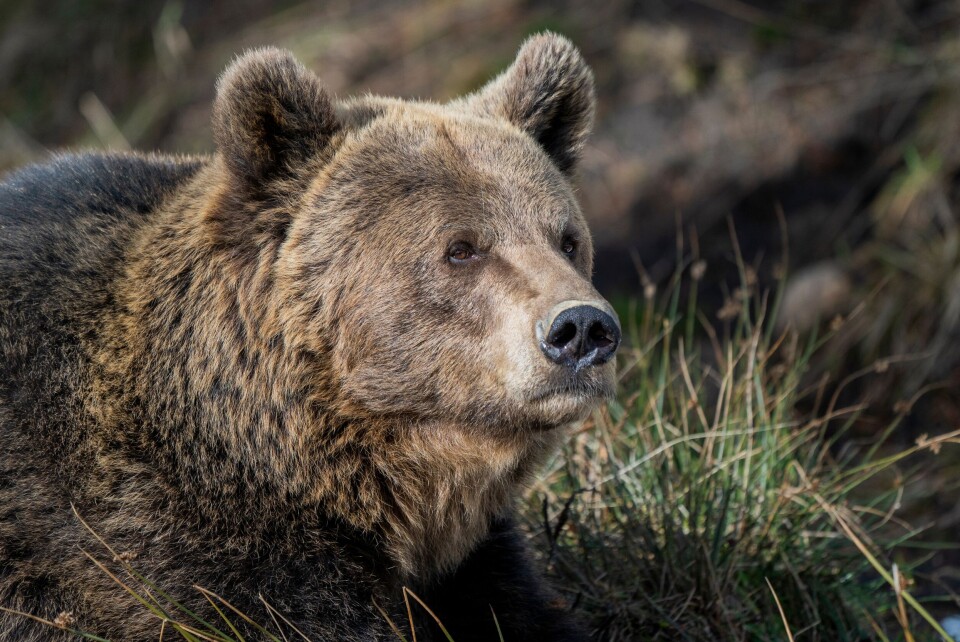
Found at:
<point>704,506</point>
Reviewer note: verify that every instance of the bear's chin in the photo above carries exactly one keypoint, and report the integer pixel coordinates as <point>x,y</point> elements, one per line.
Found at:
<point>568,405</point>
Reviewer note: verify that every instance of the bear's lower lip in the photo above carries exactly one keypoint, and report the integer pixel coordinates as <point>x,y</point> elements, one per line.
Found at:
<point>586,391</point>
<point>565,404</point>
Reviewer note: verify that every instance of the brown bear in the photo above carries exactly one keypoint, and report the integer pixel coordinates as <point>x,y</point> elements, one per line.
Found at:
<point>315,367</point>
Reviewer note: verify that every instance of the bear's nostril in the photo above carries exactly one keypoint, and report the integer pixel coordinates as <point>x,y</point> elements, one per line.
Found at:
<point>564,335</point>
<point>599,335</point>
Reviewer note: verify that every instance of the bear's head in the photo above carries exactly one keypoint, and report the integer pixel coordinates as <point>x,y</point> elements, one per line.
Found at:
<point>431,256</point>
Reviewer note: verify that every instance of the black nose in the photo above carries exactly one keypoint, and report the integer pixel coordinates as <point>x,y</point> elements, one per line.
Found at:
<point>580,337</point>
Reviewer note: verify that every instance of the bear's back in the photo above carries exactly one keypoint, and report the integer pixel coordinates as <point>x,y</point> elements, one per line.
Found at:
<point>64,228</point>
<point>64,217</point>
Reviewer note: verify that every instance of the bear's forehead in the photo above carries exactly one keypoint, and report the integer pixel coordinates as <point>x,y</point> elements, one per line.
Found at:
<point>463,165</point>
<point>431,136</point>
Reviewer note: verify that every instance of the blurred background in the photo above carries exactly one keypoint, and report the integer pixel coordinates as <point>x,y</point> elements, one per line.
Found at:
<point>840,117</point>
<point>808,148</point>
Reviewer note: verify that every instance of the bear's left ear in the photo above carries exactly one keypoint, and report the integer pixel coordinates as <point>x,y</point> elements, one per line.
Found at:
<point>270,116</point>
<point>548,92</point>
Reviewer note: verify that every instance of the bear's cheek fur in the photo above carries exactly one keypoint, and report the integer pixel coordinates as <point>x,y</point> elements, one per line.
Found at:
<point>424,350</point>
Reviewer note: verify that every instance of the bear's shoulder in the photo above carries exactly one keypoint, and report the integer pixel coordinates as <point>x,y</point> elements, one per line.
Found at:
<point>57,215</point>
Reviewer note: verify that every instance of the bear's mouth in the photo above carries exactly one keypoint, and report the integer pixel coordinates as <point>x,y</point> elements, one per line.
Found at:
<point>577,388</point>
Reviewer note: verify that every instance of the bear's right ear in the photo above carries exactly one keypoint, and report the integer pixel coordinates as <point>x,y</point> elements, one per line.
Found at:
<point>270,116</point>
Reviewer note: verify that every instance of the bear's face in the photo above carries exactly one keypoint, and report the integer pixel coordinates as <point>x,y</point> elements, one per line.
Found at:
<point>437,256</point>
<point>460,236</point>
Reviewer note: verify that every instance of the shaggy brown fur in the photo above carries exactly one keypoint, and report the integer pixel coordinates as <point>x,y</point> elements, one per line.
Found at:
<point>262,373</point>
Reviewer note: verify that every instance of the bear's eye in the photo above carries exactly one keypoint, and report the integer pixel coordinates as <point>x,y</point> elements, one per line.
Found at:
<point>569,247</point>
<point>461,252</point>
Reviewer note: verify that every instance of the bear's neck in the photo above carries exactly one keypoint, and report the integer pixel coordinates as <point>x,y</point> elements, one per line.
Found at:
<point>200,375</point>
<point>435,490</point>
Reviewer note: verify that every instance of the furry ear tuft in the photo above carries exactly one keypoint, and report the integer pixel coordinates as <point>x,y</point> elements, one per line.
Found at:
<point>548,92</point>
<point>270,114</point>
